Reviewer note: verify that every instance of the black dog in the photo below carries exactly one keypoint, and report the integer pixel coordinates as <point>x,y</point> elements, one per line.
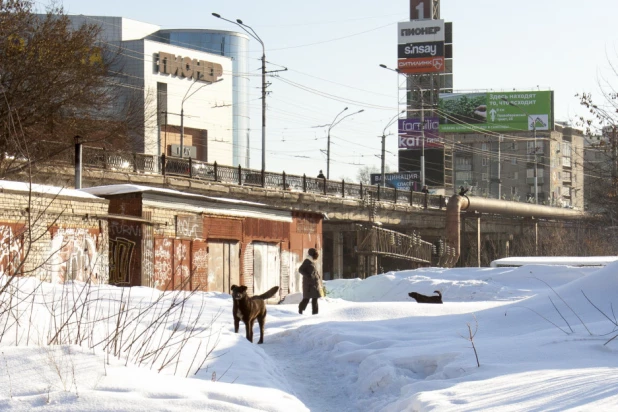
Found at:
<point>426,299</point>
<point>249,309</point>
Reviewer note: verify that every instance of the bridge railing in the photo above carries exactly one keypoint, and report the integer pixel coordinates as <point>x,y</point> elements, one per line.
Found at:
<point>94,157</point>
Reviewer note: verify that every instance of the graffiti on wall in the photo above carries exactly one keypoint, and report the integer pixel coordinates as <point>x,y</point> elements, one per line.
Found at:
<point>189,226</point>
<point>182,262</point>
<point>11,249</point>
<point>162,263</point>
<point>120,255</point>
<point>199,265</point>
<point>148,257</point>
<point>73,255</point>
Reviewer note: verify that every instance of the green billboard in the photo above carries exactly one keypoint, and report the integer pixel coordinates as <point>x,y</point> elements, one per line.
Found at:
<point>495,111</point>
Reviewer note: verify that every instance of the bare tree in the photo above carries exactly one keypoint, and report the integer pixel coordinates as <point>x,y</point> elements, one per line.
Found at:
<point>601,163</point>
<point>58,81</point>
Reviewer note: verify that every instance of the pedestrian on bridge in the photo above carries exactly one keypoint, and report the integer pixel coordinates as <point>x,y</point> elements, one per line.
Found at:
<point>321,175</point>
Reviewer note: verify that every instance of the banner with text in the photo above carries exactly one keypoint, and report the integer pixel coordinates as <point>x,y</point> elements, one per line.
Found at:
<point>417,31</point>
<point>410,134</point>
<point>399,181</point>
<point>496,111</point>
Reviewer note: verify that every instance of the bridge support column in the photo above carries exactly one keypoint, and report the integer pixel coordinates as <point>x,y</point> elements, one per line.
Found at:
<point>337,254</point>
<point>536,237</point>
<point>478,241</point>
<point>372,265</point>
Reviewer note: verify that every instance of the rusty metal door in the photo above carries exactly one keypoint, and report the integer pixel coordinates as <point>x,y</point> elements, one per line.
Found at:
<point>223,265</point>
<point>266,266</point>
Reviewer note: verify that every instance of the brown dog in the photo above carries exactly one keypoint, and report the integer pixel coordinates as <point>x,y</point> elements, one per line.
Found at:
<point>249,309</point>
<point>426,299</point>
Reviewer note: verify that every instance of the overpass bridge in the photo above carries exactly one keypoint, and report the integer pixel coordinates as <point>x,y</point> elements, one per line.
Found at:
<point>366,229</point>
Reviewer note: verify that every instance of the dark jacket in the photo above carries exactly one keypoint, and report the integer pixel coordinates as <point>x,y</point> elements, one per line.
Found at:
<point>311,279</point>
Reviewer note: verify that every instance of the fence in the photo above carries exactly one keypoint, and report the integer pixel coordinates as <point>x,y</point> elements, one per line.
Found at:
<point>186,167</point>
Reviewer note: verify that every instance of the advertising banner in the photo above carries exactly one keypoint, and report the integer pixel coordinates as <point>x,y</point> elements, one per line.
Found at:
<point>410,135</point>
<point>421,65</point>
<point>495,111</point>
<point>417,31</point>
<point>399,181</point>
<point>415,50</point>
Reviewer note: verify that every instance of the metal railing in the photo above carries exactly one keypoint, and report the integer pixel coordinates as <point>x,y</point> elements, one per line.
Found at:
<point>186,167</point>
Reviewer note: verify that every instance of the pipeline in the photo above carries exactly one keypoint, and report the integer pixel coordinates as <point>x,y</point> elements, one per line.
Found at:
<point>457,204</point>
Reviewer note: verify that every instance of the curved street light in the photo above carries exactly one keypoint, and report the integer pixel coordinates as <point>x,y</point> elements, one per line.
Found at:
<point>389,124</point>
<point>182,112</point>
<point>254,35</point>
<point>422,123</point>
<point>333,124</point>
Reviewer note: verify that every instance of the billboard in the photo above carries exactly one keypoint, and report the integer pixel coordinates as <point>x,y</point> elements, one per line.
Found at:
<point>495,111</point>
<point>421,65</point>
<point>399,181</point>
<point>425,49</point>
<point>420,47</point>
<point>418,31</point>
<point>410,135</point>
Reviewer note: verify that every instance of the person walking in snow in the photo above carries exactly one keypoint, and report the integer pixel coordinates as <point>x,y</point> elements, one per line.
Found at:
<point>312,283</point>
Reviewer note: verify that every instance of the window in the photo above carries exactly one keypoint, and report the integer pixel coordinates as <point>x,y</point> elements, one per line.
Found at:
<point>484,177</point>
<point>516,175</point>
<point>464,176</point>
<point>513,160</point>
<point>513,190</point>
<point>514,146</point>
<point>484,147</point>
<point>463,160</point>
<point>485,161</point>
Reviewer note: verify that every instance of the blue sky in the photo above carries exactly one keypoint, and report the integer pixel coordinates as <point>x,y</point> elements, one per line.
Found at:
<point>333,49</point>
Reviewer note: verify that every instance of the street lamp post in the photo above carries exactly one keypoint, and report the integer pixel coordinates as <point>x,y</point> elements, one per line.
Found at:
<point>333,124</point>
<point>253,34</point>
<point>182,112</point>
<point>536,183</point>
<point>422,104</point>
<point>390,122</point>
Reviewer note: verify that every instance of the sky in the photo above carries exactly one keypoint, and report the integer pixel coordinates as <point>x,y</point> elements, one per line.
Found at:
<point>505,339</point>
<point>333,49</point>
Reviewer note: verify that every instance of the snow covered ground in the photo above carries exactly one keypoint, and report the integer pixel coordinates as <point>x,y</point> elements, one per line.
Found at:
<point>540,343</point>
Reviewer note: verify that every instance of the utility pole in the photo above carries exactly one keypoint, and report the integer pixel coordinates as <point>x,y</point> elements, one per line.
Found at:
<point>500,137</point>
<point>536,182</point>
<point>253,34</point>
<point>422,139</point>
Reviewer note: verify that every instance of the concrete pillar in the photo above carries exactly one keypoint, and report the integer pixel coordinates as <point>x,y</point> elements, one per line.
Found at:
<point>536,237</point>
<point>337,254</point>
<point>372,265</point>
<point>478,241</point>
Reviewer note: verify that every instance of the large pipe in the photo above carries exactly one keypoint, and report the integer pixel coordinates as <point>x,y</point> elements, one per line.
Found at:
<point>457,204</point>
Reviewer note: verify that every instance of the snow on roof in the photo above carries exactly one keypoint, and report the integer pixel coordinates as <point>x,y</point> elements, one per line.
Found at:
<point>45,189</point>
<point>218,205</point>
<point>555,260</point>
<point>128,188</point>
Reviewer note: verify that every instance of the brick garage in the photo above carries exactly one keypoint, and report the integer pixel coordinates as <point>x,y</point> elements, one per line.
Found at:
<point>52,233</point>
<point>172,240</point>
